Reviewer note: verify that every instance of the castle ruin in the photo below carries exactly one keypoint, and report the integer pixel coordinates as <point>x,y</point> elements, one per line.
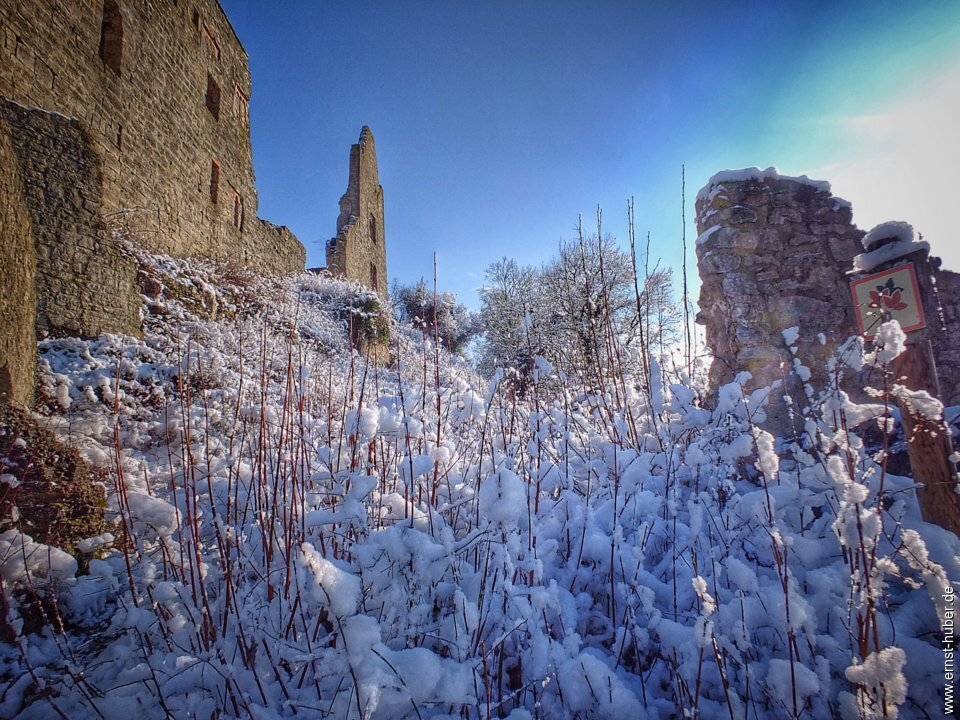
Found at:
<point>131,119</point>
<point>359,249</point>
<point>159,92</point>
<point>775,252</point>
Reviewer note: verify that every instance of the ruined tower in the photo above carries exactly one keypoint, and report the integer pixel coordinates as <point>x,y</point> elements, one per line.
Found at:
<point>359,251</point>
<point>773,253</point>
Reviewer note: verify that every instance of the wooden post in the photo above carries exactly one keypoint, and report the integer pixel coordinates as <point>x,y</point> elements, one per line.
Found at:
<point>928,438</point>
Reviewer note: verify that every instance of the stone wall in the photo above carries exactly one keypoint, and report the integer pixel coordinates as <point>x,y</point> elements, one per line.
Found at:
<point>18,346</point>
<point>773,253</point>
<point>946,345</point>
<point>359,250</point>
<point>162,88</point>
<point>776,252</point>
<point>84,284</point>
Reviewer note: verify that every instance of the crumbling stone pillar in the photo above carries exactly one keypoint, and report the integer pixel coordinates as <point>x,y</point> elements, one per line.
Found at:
<point>359,252</point>
<point>773,253</point>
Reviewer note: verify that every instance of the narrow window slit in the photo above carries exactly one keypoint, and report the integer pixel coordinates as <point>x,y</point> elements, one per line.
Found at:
<point>111,36</point>
<point>214,181</point>
<point>237,211</point>
<point>212,98</point>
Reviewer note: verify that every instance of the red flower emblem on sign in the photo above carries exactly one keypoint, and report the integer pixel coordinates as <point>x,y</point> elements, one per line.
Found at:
<point>887,296</point>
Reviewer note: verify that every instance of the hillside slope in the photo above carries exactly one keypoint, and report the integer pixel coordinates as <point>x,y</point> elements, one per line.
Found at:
<point>295,531</point>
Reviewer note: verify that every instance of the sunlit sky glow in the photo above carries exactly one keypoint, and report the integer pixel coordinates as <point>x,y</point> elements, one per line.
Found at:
<point>498,123</point>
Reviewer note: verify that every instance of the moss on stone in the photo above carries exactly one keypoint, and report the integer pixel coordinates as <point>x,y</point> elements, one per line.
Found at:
<point>57,497</point>
<point>368,319</point>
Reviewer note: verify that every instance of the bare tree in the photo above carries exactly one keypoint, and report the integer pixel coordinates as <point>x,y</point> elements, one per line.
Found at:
<point>508,297</point>
<point>422,307</point>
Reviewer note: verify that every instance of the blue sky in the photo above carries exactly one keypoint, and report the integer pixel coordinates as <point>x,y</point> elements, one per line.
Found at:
<point>497,123</point>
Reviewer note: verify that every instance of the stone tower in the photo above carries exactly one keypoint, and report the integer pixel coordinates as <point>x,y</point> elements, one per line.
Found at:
<point>359,251</point>
<point>773,253</point>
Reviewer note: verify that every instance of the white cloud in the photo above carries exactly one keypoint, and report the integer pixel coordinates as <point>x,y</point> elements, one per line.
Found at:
<point>903,163</point>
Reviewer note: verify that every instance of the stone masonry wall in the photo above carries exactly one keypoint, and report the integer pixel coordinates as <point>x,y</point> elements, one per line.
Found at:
<point>18,267</point>
<point>946,345</point>
<point>359,250</point>
<point>84,283</point>
<point>773,253</point>
<point>162,87</point>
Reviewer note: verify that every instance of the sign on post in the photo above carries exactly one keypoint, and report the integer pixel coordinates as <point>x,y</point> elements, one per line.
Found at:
<point>891,294</point>
<point>895,294</point>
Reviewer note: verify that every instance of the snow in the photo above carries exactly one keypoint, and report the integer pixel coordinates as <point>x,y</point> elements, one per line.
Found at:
<point>335,586</point>
<point>884,686</point>
<point>23,561</point>
<point>890,341</point>
<point>920,402</point>
<point>779,677</point>
<point>152,513</point>
<point>904,243</point>
<point>741,575</point>
<point>895,229</point>
<point>503,498</point>
<point>791,335</point>
<point>365,422</point>
<point>869,261</point>
<point>770,174</point>
<point>301,533</point>
<point>706,234</point>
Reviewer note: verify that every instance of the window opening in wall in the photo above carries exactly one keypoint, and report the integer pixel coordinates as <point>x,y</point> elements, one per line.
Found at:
<point>212,98</point>
<point>212,45</point>
<point>373,229</point>
<point>237,211</point>
<point>196,19</point>
<point>111,36</point>
<point>214,181</point>
<point>373,276</point>
<point>119,137</point>
<point>243,108</point>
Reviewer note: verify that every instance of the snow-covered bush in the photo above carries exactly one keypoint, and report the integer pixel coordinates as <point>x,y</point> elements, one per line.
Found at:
<point>302,533</point>
<point>448,319</point>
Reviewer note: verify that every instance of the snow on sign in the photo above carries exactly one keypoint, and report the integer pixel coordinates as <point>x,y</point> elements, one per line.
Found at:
<point>889,295</point>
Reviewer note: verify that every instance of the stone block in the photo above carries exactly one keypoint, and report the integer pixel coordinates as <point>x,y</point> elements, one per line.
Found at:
<point>735,284</point>
<point>739,215</point>
<point>796,239</point>
<point>719,262</point>
<point>729,237</point>
<point>787,214</point>
<point>843,248</point>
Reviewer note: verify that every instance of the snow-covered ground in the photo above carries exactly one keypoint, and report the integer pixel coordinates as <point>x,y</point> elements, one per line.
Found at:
<point>296,532</point>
